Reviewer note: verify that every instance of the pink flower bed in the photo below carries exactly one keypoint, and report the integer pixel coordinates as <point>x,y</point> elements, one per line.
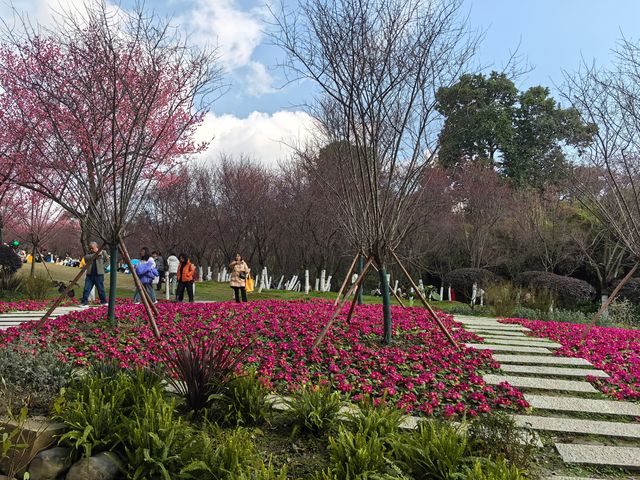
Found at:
<point>422,373</point>
<point>26,305</point>
<point>613,350</point>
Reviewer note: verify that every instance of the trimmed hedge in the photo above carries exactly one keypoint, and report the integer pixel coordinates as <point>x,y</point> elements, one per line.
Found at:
<point>462,280</point>
<point>570,292</point>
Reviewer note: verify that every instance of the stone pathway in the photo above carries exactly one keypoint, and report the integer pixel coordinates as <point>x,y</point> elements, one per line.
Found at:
<point>560,397</point>
<point>13,319</point>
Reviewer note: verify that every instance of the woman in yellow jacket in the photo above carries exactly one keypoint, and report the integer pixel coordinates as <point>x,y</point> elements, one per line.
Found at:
<point>239,273</point>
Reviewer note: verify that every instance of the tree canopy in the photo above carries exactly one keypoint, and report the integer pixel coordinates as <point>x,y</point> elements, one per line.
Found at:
<point>521,133</point>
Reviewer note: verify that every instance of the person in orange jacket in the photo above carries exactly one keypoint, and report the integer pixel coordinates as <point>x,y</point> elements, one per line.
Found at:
<point>186,276</point>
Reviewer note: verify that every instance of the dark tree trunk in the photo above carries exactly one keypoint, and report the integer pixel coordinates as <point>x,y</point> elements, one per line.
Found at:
<point>386,305</point>
<point>113,281</point>
<point>360,267</point>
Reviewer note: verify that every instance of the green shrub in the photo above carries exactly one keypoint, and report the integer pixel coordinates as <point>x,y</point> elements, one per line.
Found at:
<point>541,298</point>
<point>503,298</point>
<point>570,292</point>
<point>245,400</point>
<point>9,264</point>
<point>559,315</point>
<point>623,312</point>
<point>498,436</point>
<point>217,454</point>
<point>92,409</point>
<point>456,308</point>
<point>33,379</point>
<point>153,437</point>
<point>357,455</point>
<point>382,420</point>
<point>435,451</point>
<point>35,288</point>
<point>498,470</point>
<point>313,409</point>
<point>262,472</point>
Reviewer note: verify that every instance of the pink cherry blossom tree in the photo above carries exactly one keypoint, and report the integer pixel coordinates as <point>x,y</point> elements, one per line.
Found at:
<point>103,105</point>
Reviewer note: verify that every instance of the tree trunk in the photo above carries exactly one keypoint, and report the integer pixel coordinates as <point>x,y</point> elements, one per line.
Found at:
<point>33,262</point>
<point>113,281</point>
<point>386,304</point>
<point>360,267</point>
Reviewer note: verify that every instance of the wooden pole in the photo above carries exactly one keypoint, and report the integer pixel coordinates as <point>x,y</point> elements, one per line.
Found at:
<point>65,293</point>
<point>143,292</point>
<point>611,298</point>
<point>326,328</point>
<point>346,279</point>
<point>145,301</point>
<point>424,301</point>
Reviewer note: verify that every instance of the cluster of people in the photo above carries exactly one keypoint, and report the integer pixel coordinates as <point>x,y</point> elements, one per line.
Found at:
<point>153,270</point>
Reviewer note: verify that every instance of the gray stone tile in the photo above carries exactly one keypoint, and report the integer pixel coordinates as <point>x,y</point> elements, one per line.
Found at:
<point>582,426</point>
<point>626,457</point>
<point>501,334</point>
<point>583,405</point>
<point>541,359</point>
<point>506,328</point>
<point>559,371</point>
<point>541,383</point>
<point>529,342</point>
<point>508,348</point>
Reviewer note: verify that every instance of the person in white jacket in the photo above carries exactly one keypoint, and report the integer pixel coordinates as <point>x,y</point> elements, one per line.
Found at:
<point>172,269</point>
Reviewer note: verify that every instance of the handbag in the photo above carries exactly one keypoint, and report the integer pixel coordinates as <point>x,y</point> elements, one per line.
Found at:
<point>249,284</point>
<point>243,275</point>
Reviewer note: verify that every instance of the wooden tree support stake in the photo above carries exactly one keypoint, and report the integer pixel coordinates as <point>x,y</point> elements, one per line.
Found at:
<point>610,299</point>
<point>424,301</point>
<point>143,294</point>
<point>354,287</point>
<point>346,279</point>
<point>65,293</point>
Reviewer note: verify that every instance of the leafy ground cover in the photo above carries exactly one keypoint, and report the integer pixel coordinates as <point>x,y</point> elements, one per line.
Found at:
<point>613,350</point>
<point>421,373</point>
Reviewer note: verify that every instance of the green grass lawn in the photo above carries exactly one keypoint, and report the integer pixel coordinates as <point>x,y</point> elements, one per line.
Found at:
<point>210,291</point>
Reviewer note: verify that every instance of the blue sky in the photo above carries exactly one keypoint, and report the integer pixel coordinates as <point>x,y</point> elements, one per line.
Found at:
<point>258,117</point>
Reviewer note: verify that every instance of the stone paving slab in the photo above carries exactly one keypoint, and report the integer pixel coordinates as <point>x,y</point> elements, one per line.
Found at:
<point>625,457</point>
<point>509,328</point>
<point>559,371</point>
<point>519,337</point>
<point>584,405</point>
<point>570,478</point>
<point>541,383</point>
<point>501,334</point>
<point>507,348</point>
<point>577,425</point>
<point>541,359</point>
<point>531,342</point>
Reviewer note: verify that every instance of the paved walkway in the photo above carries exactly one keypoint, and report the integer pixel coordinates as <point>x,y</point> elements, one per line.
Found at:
<point>561,398</point>
<point>13,319</point>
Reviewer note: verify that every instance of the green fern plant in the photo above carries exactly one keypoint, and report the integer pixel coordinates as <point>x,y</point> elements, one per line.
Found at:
<point>498,470</point>
<point>384,420</point>
<point>357,455</point>
<point>313,409</point>
<point>245,401</point>
<point>435,451</point>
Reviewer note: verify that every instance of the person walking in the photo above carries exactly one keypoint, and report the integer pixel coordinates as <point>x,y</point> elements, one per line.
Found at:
<point>95,274</point>
<point>172,269</point>
<point>146,271</point>
<point>185,275</point>
<point>160,266</point>
<point>239,272</point>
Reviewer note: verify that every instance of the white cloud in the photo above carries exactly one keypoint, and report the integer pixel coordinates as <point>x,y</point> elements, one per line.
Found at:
<point>221,22</point>
<point>264,137</point>
<point>259,80</point>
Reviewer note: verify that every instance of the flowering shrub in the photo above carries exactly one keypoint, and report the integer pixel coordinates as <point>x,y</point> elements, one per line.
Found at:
<point>24,305</point>
<point>614,350</point>
<point>421,373</point>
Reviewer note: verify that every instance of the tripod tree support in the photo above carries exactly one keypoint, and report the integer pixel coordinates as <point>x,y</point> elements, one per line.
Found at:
<point>143,294</point>
<point>353,288</point>
<point>68,288</point>
<point>424,301</point>
<point>346,279</point>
